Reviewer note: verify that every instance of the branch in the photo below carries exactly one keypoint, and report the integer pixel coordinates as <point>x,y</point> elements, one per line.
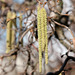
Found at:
<point>63,26</point>
<point>62,67</point>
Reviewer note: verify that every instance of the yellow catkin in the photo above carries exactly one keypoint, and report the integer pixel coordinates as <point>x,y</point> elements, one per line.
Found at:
<point>46,39</point>
<point>39,37</point>
<point>43,29</point>
<point>9,25</point>
<point>10,31</point>
<point>42,35</point>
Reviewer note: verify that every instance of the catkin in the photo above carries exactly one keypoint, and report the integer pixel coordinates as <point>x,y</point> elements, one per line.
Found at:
<point>39,37</point>
<point>42,35</point>
<point>46,47</point>
<point>46,38</point>
<point>43,28</point>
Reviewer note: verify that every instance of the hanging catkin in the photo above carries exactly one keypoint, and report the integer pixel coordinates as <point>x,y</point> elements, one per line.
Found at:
<point>42,34</point>
<point>43,28</point>
<point>39,37</point>
<point>46,38</point>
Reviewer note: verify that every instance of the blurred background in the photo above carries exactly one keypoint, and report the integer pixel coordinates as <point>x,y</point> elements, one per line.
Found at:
<point>20,14</point>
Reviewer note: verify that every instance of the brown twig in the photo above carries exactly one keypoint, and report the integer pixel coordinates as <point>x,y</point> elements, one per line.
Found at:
<point>63,26</point>
<point>25,33</point>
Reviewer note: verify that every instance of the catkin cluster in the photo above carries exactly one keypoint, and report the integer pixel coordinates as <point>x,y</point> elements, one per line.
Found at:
<point>42,34</point>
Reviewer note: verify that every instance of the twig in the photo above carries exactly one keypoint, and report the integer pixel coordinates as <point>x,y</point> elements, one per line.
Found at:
<point>35,47</point>
<point>25,33</point>
<point>63,26</point>
<point>8,54</point>
<point>62,67</point>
